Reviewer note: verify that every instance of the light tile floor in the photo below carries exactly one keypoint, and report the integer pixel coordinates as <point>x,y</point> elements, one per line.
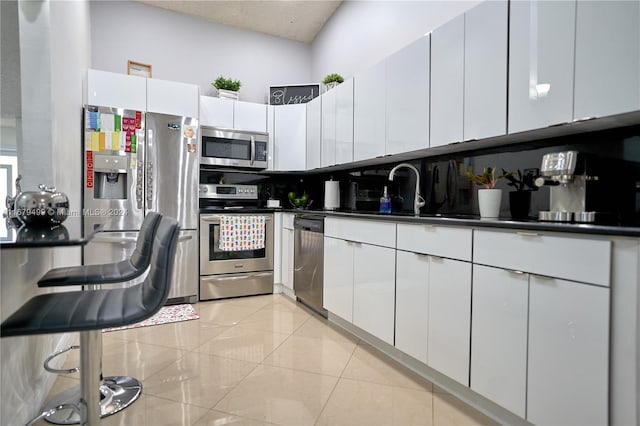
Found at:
<point>266,360</point>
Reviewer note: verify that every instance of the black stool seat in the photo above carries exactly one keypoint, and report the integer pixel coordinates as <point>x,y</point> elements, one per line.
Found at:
<point>92,310</point>
<point>89,311</point>
<point>109,273</point>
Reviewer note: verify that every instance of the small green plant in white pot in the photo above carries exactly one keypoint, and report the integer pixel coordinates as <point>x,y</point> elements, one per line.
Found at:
<point>489,197</point>
<point>227,88</point>
<point>332,80</point>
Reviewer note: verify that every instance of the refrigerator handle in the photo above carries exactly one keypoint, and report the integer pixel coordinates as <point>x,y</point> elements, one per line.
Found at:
<point>149,184</point>
<point>140,176</point>
<point>253,149</point>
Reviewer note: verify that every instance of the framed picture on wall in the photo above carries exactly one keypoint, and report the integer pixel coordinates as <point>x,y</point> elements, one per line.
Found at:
<point>139,69</point>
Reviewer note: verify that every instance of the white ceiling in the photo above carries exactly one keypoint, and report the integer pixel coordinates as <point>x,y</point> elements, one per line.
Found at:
<point>290,19</point>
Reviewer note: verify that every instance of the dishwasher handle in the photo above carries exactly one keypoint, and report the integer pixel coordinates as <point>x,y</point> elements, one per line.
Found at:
<point>310,225</point>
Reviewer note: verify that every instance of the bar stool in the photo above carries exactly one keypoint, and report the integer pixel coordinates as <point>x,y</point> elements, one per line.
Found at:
<point>90,311</point>
<point>116,392</point>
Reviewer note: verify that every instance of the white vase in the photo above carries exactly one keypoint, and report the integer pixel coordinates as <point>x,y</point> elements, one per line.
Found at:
<point>228,94</point>
<point>489,202</point>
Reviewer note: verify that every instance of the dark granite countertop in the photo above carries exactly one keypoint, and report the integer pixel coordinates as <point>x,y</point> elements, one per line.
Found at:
<point>476,221</point>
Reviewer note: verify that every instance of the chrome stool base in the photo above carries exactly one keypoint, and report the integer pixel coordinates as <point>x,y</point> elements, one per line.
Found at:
<point>116,394</point>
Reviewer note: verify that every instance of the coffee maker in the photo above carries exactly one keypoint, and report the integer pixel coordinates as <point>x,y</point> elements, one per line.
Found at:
<point>576,191</point>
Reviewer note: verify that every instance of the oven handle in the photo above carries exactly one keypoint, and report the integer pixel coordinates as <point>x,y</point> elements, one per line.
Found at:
<point>216,218</point>
<point>235,277</point>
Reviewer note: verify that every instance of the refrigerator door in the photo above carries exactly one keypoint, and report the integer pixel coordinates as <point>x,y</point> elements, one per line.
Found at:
<point>112,178</point>
<point>172,168</point>
<point>111,247</point>
<point>184,286</point>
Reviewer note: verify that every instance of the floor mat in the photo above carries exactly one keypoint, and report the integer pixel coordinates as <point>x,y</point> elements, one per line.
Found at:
<point>165,315</point>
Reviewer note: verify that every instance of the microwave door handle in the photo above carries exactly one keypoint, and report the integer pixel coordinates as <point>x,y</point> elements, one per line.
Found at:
<point>253,149</point>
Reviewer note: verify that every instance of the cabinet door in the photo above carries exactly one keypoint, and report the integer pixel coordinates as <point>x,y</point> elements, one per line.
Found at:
<point>499,336</point>
<point>485,70</point>
<point>270,129</point>
<point>374,275</point>
<point>344,122</point>
<point>116,90</point>
<point>290,131</point>
<point>607,58</point>
<point>216,112</point>
<point>287,258</point>
<point>541,53</point>
<point>449,318</point>
<point>408,98</point>
<point>568,353</point>
<point>172,97</point>
<point>314,133</point>
<point>412,303</point>
<point>447,82</point>
<point>249,116</point>
<point>328,157</point>
<point>337,291</point>
<point>369,110</point>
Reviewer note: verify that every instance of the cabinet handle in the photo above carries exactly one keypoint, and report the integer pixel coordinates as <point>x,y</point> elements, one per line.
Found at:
<point>544,277</point>
<point>428,225</point>
<point>528,234</point>
<point>420,254</point>
<point>513,271</point>
<point>438,258</point>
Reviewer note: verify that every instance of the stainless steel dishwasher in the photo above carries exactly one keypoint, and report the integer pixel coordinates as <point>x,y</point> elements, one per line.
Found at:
<point>308,261</point>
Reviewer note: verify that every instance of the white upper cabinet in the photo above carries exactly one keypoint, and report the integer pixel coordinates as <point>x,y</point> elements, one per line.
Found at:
<point>216,112</point>
<point>270,127</point>
<point>541,53</point>
<point>172,97</point>
<point>290,134</point>
<point>485,70</point>
<point>447,82</point>
<point>328,156</point>
<point>314,133</point>
<point>344,122</point>
<point>249,116</point>
<point>407,93</point>
<point>115,90</point>
<point>607,71</point>
<point>369,110</point>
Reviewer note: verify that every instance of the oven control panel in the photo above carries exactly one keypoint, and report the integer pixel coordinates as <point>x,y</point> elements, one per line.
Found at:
<point>228,192</point>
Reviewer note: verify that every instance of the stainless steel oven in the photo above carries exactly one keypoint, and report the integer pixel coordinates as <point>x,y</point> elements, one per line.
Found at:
<point>235,148</point>
<point>225,273</point>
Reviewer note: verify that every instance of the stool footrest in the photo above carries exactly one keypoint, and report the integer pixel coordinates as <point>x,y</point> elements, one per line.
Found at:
<point>60,370</point>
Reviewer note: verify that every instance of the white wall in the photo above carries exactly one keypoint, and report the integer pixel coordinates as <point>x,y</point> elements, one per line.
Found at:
<point>192,50</point>
<point>53,51</point>
<point>362,33</point>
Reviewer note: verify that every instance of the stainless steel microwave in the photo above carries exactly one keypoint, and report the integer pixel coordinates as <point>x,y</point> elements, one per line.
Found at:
<point>226,147</point>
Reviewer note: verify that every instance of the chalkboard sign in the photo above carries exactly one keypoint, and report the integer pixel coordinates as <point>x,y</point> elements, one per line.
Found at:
<point>295,94</point>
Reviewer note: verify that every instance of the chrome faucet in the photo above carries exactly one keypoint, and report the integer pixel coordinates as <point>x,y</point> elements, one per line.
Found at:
<point>418,201</point>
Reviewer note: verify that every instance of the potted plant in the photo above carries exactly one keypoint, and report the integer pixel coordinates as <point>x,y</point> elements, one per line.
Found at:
<point>489,198</point>
<point>332,80</point>
<point>520,199</point>
<point>227,88</point>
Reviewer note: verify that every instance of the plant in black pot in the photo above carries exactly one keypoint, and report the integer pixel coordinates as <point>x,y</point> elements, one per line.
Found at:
<point>520,199</point>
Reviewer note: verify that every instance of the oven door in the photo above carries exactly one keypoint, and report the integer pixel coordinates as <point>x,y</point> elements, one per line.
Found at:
<point>220,147</point>
<point>213,260</point>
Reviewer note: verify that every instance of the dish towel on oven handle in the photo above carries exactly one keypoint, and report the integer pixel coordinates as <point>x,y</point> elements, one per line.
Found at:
<point>239,233</point>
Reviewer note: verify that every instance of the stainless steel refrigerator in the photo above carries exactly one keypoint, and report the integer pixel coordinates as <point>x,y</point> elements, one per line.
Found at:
<point>135,163</point>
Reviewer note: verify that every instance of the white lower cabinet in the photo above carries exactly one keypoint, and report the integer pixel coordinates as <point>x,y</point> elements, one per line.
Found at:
<point>449,329</point>
<point>568,356</point>
<point>374,275</point>
<point>287,258</point>
<point>412,303</point>
<point>499,336</point>
<point>338,278</point>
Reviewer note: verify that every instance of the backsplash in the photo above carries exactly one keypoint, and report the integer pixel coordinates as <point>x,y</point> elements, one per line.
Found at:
<point>614,156</point>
